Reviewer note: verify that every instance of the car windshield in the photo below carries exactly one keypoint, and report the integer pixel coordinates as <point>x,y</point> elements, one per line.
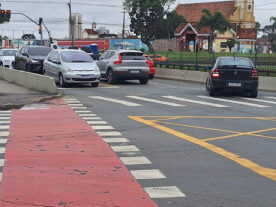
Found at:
<point>235,62</point>
<point>9,52</point>
<point>132,56</point>
<point>39,51</point>
<point>76,57</point>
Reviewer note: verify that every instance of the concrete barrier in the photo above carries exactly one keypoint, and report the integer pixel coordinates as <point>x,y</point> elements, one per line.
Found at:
<point>29,80</point>
<point>265,83</point>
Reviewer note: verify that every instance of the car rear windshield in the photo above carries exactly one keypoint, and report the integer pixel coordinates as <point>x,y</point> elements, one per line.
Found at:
<point>235,62</point>
<point>39,51</point>
<point>132,56</point>
<point>9,52</point>
<point>76,57</point>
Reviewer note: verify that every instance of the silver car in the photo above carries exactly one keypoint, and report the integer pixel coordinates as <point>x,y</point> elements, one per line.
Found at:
<point>71,66</point>
<point>123,65</point>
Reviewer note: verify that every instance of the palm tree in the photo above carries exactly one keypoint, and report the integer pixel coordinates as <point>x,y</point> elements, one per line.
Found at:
<point>216,22</point>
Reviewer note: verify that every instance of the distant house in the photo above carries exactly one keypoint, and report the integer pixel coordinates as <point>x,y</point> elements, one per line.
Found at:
<point>90,34</point>
<point>240,13</point>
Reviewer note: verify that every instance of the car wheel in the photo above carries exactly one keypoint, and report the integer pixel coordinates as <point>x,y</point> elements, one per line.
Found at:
<point>254,93</point>
<point>151,77</point>
<point>144,81</point>
<point>212,92</point>
<point>110,77</point>
<point>61,81</point>
<point>94,85</point>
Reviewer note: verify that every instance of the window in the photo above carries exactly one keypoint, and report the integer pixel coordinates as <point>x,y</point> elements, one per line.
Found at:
<point>75,57</point>
<point>39,51</point>
<point>132,56</point>
<point>223,45</point>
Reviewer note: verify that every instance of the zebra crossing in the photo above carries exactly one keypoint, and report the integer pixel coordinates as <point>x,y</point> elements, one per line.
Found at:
<point>175,101</point>
<point>4,133</point>
<point>129,154</point>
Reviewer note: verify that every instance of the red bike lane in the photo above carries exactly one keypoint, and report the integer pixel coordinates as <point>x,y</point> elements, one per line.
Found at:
<point>54,158</point>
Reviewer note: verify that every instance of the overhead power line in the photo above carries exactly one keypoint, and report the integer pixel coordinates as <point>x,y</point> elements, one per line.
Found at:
<point>62,2</point>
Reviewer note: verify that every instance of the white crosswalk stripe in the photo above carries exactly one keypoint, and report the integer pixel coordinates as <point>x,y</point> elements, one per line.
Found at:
<point>2,161</point>
<point>135,160</point>
<point>259,100</point>
<point>102,127</point>
<point>5,112</point>
<point>147,174</point>
<point>96,122</point>
<point>4,122</point>
<point>116,140</point>
<point>4,134</point>
<point>3,141</point>
<point>91,118</point>
<point>4,127</point>
<point>154,101</point>
<point>4,118</point>
<point>164,192</point>
<point>128,148</point>
<point>126,103</point>
<point>271,97</point>
<point>195,101</point>
<point>86,115</point>
<point>232,101</point>
<point>109,134</point>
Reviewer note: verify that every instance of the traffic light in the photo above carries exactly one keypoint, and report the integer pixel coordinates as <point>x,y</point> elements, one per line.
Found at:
<point>8,14</point>
<point>40,21</point>
<point>40,29</point>
<point>2,13</point>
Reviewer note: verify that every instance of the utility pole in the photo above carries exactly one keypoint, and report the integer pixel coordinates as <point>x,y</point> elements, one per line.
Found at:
<point>71,22</point>
<point>123,32</point>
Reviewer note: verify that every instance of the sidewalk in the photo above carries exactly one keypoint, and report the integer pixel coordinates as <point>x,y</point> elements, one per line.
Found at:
<point>54,158</point>
<point>14,96</point>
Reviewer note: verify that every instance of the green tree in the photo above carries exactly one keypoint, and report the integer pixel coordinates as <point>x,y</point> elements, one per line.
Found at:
<point>145,16</point>
<point>216,22</point>
<point>230,43</point>
<point>270,32</point>
<point>168,25</point>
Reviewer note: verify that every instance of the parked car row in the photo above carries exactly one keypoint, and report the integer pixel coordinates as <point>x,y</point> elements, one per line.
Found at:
<point>77,66</point>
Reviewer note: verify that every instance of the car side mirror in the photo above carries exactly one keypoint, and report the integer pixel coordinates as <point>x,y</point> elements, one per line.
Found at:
<point>101,58</point>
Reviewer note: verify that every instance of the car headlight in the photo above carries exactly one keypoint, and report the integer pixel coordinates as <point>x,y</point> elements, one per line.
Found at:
<point>34,61</point>
<point>69,70</point>
<point>97,69</point>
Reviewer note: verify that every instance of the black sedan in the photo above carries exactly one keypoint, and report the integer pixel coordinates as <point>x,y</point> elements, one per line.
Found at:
<point>233,74</point>
<point>30,58</point>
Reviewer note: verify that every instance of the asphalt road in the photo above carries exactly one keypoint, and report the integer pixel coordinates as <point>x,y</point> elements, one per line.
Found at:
<point>218,152</point>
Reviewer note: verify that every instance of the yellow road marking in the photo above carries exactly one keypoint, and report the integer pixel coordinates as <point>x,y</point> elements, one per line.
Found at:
<point>253,133</point>
<point>266,172</point>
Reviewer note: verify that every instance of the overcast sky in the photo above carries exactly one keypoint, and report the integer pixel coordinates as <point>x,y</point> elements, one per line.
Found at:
<point>107,13</point>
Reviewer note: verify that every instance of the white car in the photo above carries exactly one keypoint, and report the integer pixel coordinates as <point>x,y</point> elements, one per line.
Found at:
<point>7,57</point>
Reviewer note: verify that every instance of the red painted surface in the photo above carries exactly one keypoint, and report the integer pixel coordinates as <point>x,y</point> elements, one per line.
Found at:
<point>102,44</point>
<point>54,158</point>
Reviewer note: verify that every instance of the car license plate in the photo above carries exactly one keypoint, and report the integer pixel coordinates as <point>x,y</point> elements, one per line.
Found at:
<point>234,84</point>
<point>134,71</point>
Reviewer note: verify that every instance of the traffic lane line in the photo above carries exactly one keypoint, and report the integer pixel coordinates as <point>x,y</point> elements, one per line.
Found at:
<point>195,101</point>
<point>126,103</point>
<point>232,101</point>
<point>52,169</point>
<point>266,172</point>
<point>154,101</point>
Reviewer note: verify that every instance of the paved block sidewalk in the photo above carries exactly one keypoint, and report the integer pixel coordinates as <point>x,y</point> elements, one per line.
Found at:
<point>54,158</point>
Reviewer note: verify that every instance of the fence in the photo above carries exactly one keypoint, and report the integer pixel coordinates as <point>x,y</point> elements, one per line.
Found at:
<point>264,63</point>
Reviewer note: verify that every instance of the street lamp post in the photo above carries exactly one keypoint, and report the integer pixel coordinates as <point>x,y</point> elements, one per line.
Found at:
<point>71,22</point>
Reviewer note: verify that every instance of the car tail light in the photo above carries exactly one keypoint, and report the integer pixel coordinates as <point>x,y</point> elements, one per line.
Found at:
<point>118,61</point>
<point>215,73</point>
<point>255,74</point>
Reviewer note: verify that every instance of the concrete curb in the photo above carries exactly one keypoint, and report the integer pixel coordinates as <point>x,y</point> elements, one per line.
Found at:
<point>29,80</point>
<point>265,83</point>
<point>33,100</point>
